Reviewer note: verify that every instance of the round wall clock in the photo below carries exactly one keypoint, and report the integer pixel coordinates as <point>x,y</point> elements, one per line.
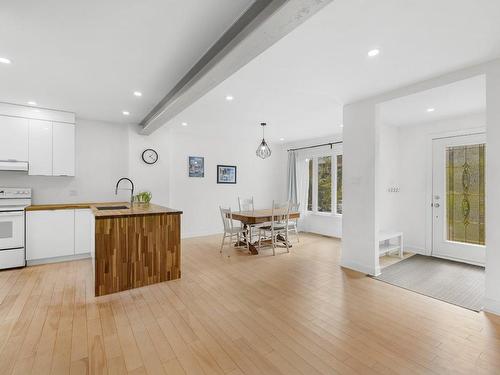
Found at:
<point>149,156</point>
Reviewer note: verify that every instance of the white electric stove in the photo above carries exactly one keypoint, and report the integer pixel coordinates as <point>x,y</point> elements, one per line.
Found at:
<point>13,201</point>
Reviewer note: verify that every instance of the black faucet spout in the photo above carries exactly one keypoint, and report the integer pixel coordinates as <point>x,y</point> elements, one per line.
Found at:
<point>131,189</point>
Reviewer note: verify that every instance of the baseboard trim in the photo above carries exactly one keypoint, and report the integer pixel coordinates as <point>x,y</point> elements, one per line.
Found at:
<point>492,306</point>
<point>417,250</point>
<point>368,270</point>
<point>199,234</point>
<point>34,262</point>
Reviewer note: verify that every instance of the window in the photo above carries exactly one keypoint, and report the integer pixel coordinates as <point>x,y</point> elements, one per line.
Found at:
<point>339,184</point>
<point>325,183</point>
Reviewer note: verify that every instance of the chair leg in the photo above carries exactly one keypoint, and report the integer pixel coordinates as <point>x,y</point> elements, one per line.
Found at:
<point>297,234</point>
<point>222,244</point>
<point>286,243</point>
<point>273,242</point>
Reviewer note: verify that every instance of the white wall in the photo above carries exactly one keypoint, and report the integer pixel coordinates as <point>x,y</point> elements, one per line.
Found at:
<point>492,296</point>
<point>150,177</point>
<point>361,170</point>
<point>101,159</point>
<point>414,169</point>
<point>325,224</point>
<point>200,198</point>
<point>360,163</point>
<point>390,151</point>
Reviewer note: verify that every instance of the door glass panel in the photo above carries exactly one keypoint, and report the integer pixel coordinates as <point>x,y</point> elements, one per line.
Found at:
<point>325,184</point>
<point>465,193</point>
<point>6,229</point>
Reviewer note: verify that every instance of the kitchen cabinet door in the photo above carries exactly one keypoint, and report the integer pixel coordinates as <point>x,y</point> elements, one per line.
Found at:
<point>83,231</point>
<point>50,234</point>
<point>63,144</point>
<point>40,148</point>
<point>14,138</point>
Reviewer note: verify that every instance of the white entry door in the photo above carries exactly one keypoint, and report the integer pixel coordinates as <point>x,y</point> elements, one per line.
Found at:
<point>458,200</point>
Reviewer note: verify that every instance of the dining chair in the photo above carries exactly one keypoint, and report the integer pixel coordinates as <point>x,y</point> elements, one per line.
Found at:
<point>293,224</point>
<point>245,204</point>
<point>230,230</point>
<point>278,230</point>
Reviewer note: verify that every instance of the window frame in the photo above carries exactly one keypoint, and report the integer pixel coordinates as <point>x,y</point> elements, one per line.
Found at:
<point>314,156</point>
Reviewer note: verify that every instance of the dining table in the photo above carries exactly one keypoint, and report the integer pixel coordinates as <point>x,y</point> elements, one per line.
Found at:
<point>250,219</point>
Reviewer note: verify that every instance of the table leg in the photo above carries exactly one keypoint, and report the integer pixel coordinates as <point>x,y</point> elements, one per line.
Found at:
<point>243,243</point>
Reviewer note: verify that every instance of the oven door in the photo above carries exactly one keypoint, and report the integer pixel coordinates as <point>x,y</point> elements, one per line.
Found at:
<point>11,229</point>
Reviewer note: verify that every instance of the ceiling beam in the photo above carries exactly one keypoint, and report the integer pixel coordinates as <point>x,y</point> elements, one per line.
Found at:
<point>263,24</point>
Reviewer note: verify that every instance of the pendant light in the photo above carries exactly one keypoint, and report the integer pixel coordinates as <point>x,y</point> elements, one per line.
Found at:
<point>263,151</point>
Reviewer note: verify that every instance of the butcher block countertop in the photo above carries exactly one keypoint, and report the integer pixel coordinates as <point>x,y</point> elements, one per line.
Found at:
<point>137,209</point>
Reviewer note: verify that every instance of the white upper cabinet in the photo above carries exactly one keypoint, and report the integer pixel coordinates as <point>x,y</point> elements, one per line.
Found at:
<point>40,148</point>
<point>13,138</point>
<point>63,149</point>
<point>43,140</point>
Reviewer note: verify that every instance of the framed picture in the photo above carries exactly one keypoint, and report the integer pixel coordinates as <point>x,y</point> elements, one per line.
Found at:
<point>196,166</point>
<point>226,174</point>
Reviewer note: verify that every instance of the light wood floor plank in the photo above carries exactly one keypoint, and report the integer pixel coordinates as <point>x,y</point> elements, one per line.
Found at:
<point>293,314</point>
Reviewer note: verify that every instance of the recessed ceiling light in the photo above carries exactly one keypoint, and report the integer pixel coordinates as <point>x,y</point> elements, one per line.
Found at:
<point>126,113</point>
<point>32,103</point>
<point>184,124</point>
<point>430,109</point>
<point>229,98</point>
<point>282,139</point>
<point>137,93</point>
<point>373,52</point>
<point>4,60</point>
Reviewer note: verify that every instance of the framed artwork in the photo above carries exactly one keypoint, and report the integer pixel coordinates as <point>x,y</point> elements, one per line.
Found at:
<point>196,166</point>
<point>226,174</point>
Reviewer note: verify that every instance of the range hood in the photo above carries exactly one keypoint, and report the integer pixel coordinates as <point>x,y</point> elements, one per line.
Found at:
<point>13,165</point>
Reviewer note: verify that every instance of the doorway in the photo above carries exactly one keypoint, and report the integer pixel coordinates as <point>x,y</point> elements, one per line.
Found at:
<point>458,198</point>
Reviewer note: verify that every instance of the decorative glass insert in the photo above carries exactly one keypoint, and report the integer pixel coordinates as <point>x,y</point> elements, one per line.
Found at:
<point>339,184</point>
<point>310,186</point>
<point>465,193</point>
<point>325,184</point>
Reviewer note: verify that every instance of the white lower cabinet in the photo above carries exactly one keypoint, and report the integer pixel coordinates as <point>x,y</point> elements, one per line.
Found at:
<point>83,231</point>
<point>57,233</point>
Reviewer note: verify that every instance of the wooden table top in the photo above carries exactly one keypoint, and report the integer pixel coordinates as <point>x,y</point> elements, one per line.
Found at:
<point>259,216</point>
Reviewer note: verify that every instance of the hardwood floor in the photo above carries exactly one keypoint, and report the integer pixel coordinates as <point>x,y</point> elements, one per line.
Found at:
<point>297,313</point>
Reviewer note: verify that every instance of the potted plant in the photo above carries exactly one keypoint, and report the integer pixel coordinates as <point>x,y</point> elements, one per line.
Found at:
<point>143,198</point>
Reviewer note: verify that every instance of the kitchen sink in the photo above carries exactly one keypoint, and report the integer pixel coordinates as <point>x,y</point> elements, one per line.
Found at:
<point>102,208</point>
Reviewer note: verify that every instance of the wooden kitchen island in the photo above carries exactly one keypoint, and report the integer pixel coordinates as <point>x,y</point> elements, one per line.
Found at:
<point>135,247</point>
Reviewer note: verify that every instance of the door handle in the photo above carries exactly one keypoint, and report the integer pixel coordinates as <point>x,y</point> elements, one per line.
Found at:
<point>436,205</point>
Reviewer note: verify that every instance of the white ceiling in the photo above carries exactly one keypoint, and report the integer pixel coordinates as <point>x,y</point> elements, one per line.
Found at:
<point>458,98</point>
<point>299,85</point>
<point>89,56</point>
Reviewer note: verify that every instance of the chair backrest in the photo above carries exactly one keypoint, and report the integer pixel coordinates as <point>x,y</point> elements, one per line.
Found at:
<point>280,213</point>
<point>227,218</point>
<point>245,204</point>
<point>294,207</point>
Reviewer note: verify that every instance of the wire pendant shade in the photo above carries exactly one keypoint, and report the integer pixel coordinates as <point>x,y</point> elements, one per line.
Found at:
<point>263,151</point>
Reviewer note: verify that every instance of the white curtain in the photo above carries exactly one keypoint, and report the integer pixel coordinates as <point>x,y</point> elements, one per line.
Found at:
<point>291,187</point>
<point>302,168</point>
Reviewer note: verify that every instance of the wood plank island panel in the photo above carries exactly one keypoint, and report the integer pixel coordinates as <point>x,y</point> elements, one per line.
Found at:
<point>137,250</point>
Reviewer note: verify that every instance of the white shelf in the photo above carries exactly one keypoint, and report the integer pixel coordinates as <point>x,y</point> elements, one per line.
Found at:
<point>386,249</point>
